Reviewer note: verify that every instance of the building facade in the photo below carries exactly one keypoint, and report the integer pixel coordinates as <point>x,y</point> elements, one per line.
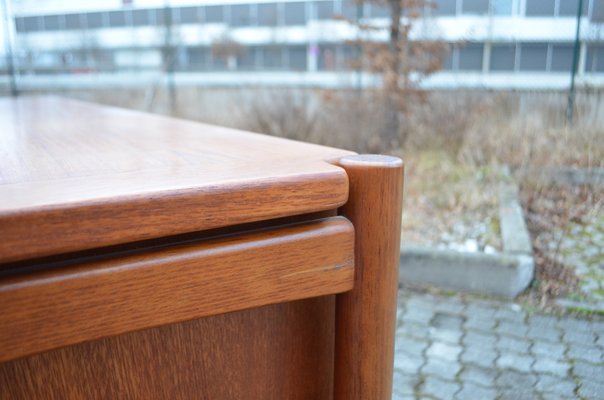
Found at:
<point>493,43</point>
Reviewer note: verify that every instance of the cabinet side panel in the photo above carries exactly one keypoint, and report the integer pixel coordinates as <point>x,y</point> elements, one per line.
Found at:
<point>282,351</point>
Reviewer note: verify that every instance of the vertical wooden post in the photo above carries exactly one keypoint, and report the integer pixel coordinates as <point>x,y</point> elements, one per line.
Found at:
<point>366,316</point>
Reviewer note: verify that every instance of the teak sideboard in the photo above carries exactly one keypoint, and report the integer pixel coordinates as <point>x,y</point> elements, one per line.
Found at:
<point>148,257</point>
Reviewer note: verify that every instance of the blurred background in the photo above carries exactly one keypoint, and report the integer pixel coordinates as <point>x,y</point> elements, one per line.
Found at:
<point>472,93</point>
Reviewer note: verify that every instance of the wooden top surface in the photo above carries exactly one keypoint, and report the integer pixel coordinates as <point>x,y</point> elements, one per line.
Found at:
<point>76,176</point>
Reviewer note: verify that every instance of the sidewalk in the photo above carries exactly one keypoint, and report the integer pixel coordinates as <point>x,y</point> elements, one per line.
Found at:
<point>453,348</point>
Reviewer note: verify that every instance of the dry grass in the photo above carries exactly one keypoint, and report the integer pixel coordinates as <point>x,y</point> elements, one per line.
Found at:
<point>550,210</point>
<point>448,203</point>
<point>457,142</point>
<point>474,127</point>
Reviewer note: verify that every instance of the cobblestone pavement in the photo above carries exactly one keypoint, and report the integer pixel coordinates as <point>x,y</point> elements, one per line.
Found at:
<point>454,348</point>
<point>581,248</point>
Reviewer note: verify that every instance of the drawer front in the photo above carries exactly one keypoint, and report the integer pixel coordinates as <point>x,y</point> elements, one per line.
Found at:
<point>51,309</point>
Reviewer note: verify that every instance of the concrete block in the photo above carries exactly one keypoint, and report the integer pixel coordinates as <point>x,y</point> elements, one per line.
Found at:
<point>499,274</point>
<point>514,234</point>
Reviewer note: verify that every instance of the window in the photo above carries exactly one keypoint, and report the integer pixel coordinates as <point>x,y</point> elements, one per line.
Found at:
<point>327,58</point>
<point>378,11</point>
<point>101,59</point>
<point>190,15</point>
<point>475,6</point>
<point>73,21</point>
<point>19,25</point>
<point>444,7</point>
<point>158,16</point>
<point>272,58</point>
<point>214,14</point>
<point>597,11</point>
<point>350,57</point>
<point>218,63</point>
<point>562,57</point>
<point>533,56</point>
<point>198,57</point>
<point>540,8</point>
<point>502,7</point>
<point>268,14</point>
<point>53,23</point>
<point>32,24</point>
<point>117,18</point>
<point>297,58</point>
<point>594,62</point>
<point>324,9</point>
<point>94,20</point>
<point>241,15</point>
<point>140,17</point>
<point>295,13</point>
<point>350,10</point>
<point>470,57</point>
<point>503,58</point>
<point>570,7</point>
<point>448,59</point>
<point>247,59</point>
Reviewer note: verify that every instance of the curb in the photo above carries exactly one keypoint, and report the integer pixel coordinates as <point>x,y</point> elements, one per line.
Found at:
<point>565,175</point>
<point>506,274</point>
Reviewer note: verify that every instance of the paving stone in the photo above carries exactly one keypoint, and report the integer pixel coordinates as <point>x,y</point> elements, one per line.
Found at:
<point>552,350</point>
<point>517,329</point>
<point>478,324</point>
<point>479,340</point>
<point>591,390</point>
<point>482,358</point>
<point>425,303</point>
<point>518,362</point>
<point>589,372</point>
<point>553,384</point>
<point>579,337</point>
<point>411,346</point>
<point>591,354</point>
<point>485,302</point>
<point>414,330</point>
<point>401,396</point>
<point>449,321</point>
<point>598,327</point>
<point>442,369</point>
<point>576,324</point>
<point>450,306</point>
<point>477,375</point>
<point>507,379</point>
<point>600,341</point>
<point>512,313</point>
<point>407,364</point>
<point>542,321</point>
<point>551,366</point>
<point>439,388</point>
<point>476,349</point>
<point>404,385</point>
<point>417,315</point>
<point>519,394</point>
<point>550,334</point>
<point>480,311</point>
<point>444,351</point>
<point>446,335</point>
<point>507,343</point>
<point>474,392</point>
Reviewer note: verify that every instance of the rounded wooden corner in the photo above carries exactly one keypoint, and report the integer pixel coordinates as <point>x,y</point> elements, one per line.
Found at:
<point>370,161</point>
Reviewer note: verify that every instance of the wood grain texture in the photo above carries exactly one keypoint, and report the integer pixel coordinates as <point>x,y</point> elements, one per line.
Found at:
<point>366,316</point>
<point>277,352</point>
<point>76,176</point>
<point>63,306</point>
